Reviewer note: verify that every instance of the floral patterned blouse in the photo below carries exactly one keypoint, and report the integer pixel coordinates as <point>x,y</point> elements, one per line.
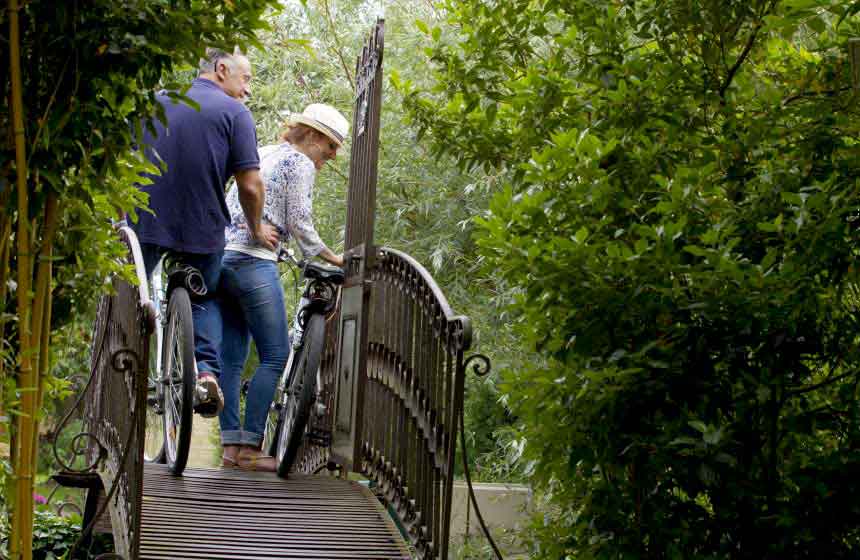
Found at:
<point>289,178</point>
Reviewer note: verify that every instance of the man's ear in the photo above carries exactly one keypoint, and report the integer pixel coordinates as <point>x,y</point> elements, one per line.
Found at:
<point>222,69</point>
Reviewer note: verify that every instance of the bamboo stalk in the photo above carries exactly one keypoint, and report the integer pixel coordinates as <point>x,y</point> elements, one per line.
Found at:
<point>6,234</point>
<point>5,247</point>
<point>21,537</point>
<point>43,278</point>
<point>42,315</point>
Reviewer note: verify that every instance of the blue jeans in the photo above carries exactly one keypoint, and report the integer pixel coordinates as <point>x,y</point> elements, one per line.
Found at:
<point>206,317</point>
<point>252,305</point>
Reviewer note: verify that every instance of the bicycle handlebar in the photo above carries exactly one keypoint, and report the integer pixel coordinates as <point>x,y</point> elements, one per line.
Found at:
<point>288,256</point>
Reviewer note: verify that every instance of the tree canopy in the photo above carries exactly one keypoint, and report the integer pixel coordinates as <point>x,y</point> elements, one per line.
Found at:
<point>677,227</point>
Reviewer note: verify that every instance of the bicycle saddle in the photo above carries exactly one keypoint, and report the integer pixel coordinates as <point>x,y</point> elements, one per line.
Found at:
<point>326,273</point>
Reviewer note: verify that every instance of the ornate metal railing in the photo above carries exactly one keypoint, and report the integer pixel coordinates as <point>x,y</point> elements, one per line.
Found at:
<point>413,398</point>
<point>110,443</point>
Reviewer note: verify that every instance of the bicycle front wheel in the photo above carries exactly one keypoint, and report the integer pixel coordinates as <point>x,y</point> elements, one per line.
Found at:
<point>299,395</point>
<point>272,428</point>
<point>177,366</point>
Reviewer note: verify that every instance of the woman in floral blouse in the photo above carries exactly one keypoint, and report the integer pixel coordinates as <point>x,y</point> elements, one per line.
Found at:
<point>252,304</point>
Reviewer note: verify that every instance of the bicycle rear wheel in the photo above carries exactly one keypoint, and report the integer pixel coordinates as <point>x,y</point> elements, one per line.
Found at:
<point>299,395</point>
<point>153,445</point>
<point>179,380</point>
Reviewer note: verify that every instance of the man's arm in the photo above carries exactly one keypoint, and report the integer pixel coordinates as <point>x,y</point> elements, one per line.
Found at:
<point>252,196</point>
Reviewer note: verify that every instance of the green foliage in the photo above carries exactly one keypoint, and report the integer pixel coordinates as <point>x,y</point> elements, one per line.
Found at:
<point>54,536</point>
<point>90,73</point>
<point>677,230</point>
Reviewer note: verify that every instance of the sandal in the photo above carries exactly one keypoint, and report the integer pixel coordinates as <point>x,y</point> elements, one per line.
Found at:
<point>256,461</point>
<point>229,460</point>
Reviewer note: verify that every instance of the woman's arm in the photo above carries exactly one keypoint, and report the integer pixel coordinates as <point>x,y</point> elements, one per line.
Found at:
<point>330,257</point>
<point>299,175</point>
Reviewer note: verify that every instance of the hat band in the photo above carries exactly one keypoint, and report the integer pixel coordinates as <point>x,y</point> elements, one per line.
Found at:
<point>332,131</point>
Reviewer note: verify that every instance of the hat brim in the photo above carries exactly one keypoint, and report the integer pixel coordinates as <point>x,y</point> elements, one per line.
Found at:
<point>316,125</point>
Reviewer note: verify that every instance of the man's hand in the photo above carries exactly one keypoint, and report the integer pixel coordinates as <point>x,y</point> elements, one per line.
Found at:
<point>267,236</point>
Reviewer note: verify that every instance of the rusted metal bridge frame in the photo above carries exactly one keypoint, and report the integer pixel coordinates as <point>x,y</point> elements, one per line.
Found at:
<point>393,368</point>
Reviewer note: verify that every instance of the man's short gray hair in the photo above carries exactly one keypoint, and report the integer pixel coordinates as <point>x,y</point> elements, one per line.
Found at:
<point>210,62</point>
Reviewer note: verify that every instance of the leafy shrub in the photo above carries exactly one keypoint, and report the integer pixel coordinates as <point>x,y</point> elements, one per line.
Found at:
<point>678,225</point>
<point>54,536</point>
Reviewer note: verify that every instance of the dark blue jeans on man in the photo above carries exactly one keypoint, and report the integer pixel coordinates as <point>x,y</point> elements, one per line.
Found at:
<point>206,317</point>
<point>252,306</point>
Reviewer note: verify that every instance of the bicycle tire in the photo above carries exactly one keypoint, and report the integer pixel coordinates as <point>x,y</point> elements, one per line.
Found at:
<point>153,439</point>
<point>301,391</point>
<point>179,380</point>
<point>153,444</point>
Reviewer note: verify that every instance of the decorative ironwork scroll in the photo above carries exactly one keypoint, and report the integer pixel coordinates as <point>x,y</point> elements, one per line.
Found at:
<point>115,398</point>
<point>414,396</point>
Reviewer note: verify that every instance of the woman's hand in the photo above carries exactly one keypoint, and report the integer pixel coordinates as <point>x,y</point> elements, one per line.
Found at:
<point>266,235</point>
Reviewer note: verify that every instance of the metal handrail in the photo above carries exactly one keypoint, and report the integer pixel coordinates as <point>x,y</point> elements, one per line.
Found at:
<point>414,394</point>
<point>114,403</point>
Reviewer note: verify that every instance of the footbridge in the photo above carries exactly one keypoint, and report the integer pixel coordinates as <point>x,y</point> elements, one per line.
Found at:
<point>393,374</point>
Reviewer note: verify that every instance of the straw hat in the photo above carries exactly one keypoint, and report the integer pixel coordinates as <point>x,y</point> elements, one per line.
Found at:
<point>324,118</point>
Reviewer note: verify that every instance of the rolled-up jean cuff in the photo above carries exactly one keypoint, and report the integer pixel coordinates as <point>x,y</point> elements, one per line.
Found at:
<point>252,439</point>
<point>231,437</point>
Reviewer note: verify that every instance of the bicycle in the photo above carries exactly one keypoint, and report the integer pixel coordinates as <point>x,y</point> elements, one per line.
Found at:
<point>299,386</point>
<point>172,372</point>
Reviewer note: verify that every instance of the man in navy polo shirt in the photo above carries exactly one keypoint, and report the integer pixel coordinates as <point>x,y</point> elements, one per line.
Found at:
<point>201,149</point>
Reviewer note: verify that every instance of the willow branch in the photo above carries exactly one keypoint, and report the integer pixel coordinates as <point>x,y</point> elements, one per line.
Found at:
<point>339,48</point>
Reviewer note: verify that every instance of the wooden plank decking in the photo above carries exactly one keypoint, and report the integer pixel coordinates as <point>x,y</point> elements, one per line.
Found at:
<point>217,514</point>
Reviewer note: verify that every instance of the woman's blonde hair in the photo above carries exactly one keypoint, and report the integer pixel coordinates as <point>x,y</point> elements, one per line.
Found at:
<point>297,133</point>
